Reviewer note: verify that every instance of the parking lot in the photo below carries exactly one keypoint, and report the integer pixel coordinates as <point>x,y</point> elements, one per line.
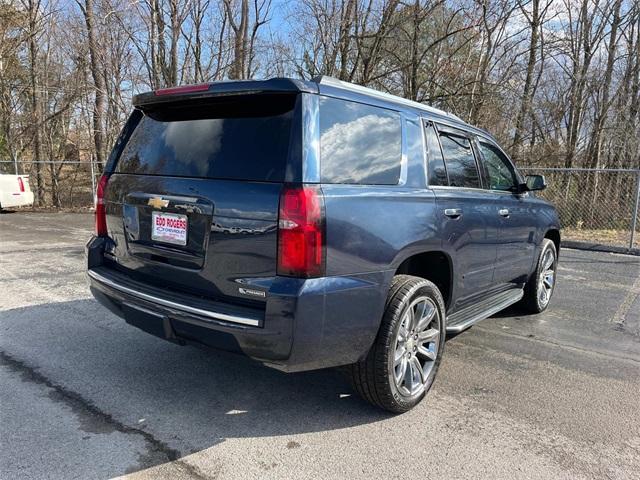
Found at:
<point>83,395</point>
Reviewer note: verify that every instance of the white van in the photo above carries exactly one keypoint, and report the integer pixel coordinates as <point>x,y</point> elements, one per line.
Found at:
<point>15,191</point>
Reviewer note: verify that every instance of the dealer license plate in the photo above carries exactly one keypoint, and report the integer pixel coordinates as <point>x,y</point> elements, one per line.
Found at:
<point>169,228</point>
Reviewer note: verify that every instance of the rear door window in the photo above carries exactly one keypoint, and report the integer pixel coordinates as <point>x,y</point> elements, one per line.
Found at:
<point>436,171</point>
<point>240,139</point>
<point>460,161</point>
<point>359,144</point>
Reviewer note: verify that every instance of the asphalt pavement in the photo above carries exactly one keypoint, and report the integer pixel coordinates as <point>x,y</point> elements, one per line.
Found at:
<point>83,395</point>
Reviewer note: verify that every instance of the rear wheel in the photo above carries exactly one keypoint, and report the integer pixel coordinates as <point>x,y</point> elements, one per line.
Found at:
<point>540,287</point>
<point>403,361</point>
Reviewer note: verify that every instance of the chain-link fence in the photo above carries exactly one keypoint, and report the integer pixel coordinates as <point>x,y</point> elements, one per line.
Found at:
<point>598,206</point>
<point>66,184</point>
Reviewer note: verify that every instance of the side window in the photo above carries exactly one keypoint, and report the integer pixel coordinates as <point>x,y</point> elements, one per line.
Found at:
<point>501,173</point>
<point>460,162</point>
<point>436,171</point>
<point>359,144</point>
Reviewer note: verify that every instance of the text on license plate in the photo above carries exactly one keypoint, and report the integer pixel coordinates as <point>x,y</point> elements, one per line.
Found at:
<point>169,228</point>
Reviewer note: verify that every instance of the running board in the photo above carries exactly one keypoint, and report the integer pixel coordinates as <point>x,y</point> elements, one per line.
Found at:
<point>463,319</point>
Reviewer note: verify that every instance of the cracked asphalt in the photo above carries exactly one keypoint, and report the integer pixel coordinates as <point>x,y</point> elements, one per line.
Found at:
<point>83,395</point>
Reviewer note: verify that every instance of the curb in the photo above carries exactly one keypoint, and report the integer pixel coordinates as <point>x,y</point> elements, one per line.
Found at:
<point>597,247</point>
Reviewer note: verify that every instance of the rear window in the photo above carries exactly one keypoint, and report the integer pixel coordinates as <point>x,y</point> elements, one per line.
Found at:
<point>237,139</point>
<point>359,144</point>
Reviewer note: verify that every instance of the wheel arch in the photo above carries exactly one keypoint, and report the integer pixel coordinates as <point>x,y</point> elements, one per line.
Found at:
<point>553,234</point>
<point>433,265</point>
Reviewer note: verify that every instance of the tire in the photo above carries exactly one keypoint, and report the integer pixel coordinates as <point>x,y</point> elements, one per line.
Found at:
<point>540,287</point>
<point>378,377</point>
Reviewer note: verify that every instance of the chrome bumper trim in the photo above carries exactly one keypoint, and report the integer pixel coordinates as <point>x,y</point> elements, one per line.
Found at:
<point>177,306</point>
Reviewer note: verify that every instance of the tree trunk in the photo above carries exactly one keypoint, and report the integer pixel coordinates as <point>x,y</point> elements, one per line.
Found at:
<point>33,7</point>
<point>176,25</point>
<point>240,34</point>
<point>528,90</point>
<point>98,82</point>
<point>603,110</point>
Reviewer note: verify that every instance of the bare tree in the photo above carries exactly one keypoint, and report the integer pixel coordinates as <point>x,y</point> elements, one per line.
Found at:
<point>535,20</point>
<point>33,30</point>
<point>585,33</point>
<point>326,35</point>
<point>87,9</point>
<point>603,94</point>
<point>495,16</point>
<point>245,21</point>
<point>12,80</point>
<point>559,79</point>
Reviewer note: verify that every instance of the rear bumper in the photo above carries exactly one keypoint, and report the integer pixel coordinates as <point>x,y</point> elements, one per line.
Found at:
<point>126,289</point>
<point>306,324</point>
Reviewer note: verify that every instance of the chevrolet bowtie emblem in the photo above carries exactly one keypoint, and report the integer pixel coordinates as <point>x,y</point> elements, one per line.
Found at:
<point>158,202</point>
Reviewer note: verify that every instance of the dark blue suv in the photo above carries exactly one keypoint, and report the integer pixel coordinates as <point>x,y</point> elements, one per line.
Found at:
<point>313,224</point>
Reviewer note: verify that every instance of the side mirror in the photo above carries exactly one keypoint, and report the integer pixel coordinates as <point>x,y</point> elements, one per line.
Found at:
<point>535,183</point>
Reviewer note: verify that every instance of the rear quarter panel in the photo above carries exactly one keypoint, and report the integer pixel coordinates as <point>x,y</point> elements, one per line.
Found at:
<point>374,228</point>
<point>370,230</point>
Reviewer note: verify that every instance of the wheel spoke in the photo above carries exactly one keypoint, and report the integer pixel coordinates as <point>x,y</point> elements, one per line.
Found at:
<point>425,352</point>
<point>428,335</point>
<point>408,375</point>
<point>410,380</point>
<point>403,333</point>
<point>399,355</point>
<point>419,312</point>
<point>401,370</point>
<point>418,372</point>
<point>428,313</point>
<point>543,295</point>
<point>409,319</point>
<point>415,316</point>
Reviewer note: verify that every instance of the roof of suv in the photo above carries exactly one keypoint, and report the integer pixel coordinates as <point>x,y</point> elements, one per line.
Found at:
<point>352,87</point>
<point>320,84</point>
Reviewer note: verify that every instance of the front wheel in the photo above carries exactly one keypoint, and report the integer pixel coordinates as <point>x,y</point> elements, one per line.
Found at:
<point>540,287</point>
<point>402,363</point>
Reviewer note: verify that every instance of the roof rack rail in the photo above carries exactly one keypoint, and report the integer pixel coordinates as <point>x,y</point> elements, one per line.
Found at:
<point>331,81</point>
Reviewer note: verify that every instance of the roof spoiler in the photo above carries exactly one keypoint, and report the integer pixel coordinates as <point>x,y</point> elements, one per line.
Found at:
<point>225,88</point>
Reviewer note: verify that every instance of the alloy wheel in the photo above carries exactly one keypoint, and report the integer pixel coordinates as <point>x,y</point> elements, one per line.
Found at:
<point>416,347</point>
<point>547,277</point>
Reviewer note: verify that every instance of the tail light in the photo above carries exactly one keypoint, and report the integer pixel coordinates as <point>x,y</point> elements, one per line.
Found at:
<point>301,232</point>
<point>101,214</point>
<point>21,184</point>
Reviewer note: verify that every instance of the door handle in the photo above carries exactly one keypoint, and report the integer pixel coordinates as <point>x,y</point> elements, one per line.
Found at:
<point>504,212</point>
<point>453,212</point>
